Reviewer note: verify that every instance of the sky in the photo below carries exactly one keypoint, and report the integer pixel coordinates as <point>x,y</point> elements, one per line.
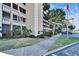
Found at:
<point>73,11</point>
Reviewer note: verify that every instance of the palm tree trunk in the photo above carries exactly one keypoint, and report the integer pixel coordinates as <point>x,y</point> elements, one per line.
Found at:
<point>54,29</point>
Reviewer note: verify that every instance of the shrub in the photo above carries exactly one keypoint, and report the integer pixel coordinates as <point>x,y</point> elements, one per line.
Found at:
<point>50,33</point>
<point>41,36</point>
<point>32,36</point>
<point>26,32</point>
<point>16,31</point>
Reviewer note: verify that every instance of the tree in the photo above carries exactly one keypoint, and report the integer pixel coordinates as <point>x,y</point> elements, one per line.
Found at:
<point>71,27</point>
<point>57,15</point>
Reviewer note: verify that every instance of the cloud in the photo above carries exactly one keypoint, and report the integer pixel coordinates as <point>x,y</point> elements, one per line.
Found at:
<point>76,19</point>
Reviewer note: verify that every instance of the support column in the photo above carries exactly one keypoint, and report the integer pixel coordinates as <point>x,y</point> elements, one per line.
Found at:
<point>11,18</point>
<point>0,19</point>
<point>35,19</point>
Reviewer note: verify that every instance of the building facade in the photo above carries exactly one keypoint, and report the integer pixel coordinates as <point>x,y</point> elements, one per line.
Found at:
<point>12,15</point>
<point>22,15</point>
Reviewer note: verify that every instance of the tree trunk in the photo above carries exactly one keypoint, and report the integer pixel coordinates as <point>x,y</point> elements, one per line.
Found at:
<point>54,29</point>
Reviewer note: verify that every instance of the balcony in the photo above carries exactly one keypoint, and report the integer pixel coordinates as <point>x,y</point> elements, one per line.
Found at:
<point>5,20</point>
<point>45,25</point>
<point>47,28</point>
<point>22,14</point>
<point>14,11</point>
<point>20,23</point>
<point>45,20</point>
<point>22,5</point>
<point>6,8</point>
<point>45,12</point>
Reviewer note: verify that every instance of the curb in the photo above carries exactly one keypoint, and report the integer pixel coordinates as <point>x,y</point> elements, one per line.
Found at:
<point>51,52</point>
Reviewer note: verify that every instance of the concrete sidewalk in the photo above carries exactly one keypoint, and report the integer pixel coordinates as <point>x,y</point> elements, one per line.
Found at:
<point>34,50</point>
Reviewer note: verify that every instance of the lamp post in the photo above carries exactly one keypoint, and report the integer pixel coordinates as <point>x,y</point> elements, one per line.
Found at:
<point>67,18</point>
<point>67,30</point>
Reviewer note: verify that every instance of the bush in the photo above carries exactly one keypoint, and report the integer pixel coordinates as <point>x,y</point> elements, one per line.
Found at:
<point>41,36</point>
<point>26,32</point>
<point>32,36</point>
<point>16,31</point>
<point>49,34</point>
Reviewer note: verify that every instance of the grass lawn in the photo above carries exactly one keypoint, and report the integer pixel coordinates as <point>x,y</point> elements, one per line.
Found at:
<point>62,41</point>
<point>17,43</point>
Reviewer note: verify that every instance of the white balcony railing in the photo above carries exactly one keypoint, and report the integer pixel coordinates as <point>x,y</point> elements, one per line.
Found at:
<point>15,22</point>
<point>46,24</point>
<point>45,20</point>
<point>14,11</point>
<point>5,20</point>
<point>47,28</point>
<point>22,14</point>
<point>6,8</point>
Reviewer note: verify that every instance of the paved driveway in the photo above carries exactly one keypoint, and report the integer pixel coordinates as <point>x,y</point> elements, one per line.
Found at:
<point>34,50</point>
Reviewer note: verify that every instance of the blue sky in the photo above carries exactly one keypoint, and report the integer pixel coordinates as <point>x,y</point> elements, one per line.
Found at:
<point>73,11</point>
<point>72,6</point>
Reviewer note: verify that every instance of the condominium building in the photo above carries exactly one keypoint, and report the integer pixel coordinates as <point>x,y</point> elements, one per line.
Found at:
<point>12,15</point>
<point>22,15</point>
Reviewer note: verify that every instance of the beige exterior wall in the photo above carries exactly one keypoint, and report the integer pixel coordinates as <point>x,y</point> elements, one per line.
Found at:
<point>30,16</point>
<point>40,17</point>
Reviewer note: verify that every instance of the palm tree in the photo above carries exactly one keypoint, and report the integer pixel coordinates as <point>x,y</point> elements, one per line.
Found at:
<point>71,27</point>
<point>57,15</point>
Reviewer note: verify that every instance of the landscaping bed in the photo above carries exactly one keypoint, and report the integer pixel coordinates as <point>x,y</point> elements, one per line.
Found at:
<point>62,41</point>
<point>6,44</point>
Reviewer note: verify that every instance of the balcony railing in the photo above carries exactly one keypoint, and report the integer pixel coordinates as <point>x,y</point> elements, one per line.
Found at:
<point>45,28</point>
<point>6,8</point>
<point>46,25</point>
<point>22,14</point>
<point>16,22</point>
<point>5,20</point>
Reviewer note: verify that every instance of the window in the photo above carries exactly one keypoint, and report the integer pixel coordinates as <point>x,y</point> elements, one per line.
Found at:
<point>21,18</point>
<point>15,6</point>
<point>6,30</point>
<point>22,10</point>
<point>18,18</point>
<point>8,4</point>
<point>5,14</point>
<point>24,20</point>
<point>14,17</point>
<point>24,3</point>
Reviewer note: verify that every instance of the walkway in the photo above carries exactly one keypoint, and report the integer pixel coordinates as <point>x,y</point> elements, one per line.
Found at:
<point>34,50</point>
